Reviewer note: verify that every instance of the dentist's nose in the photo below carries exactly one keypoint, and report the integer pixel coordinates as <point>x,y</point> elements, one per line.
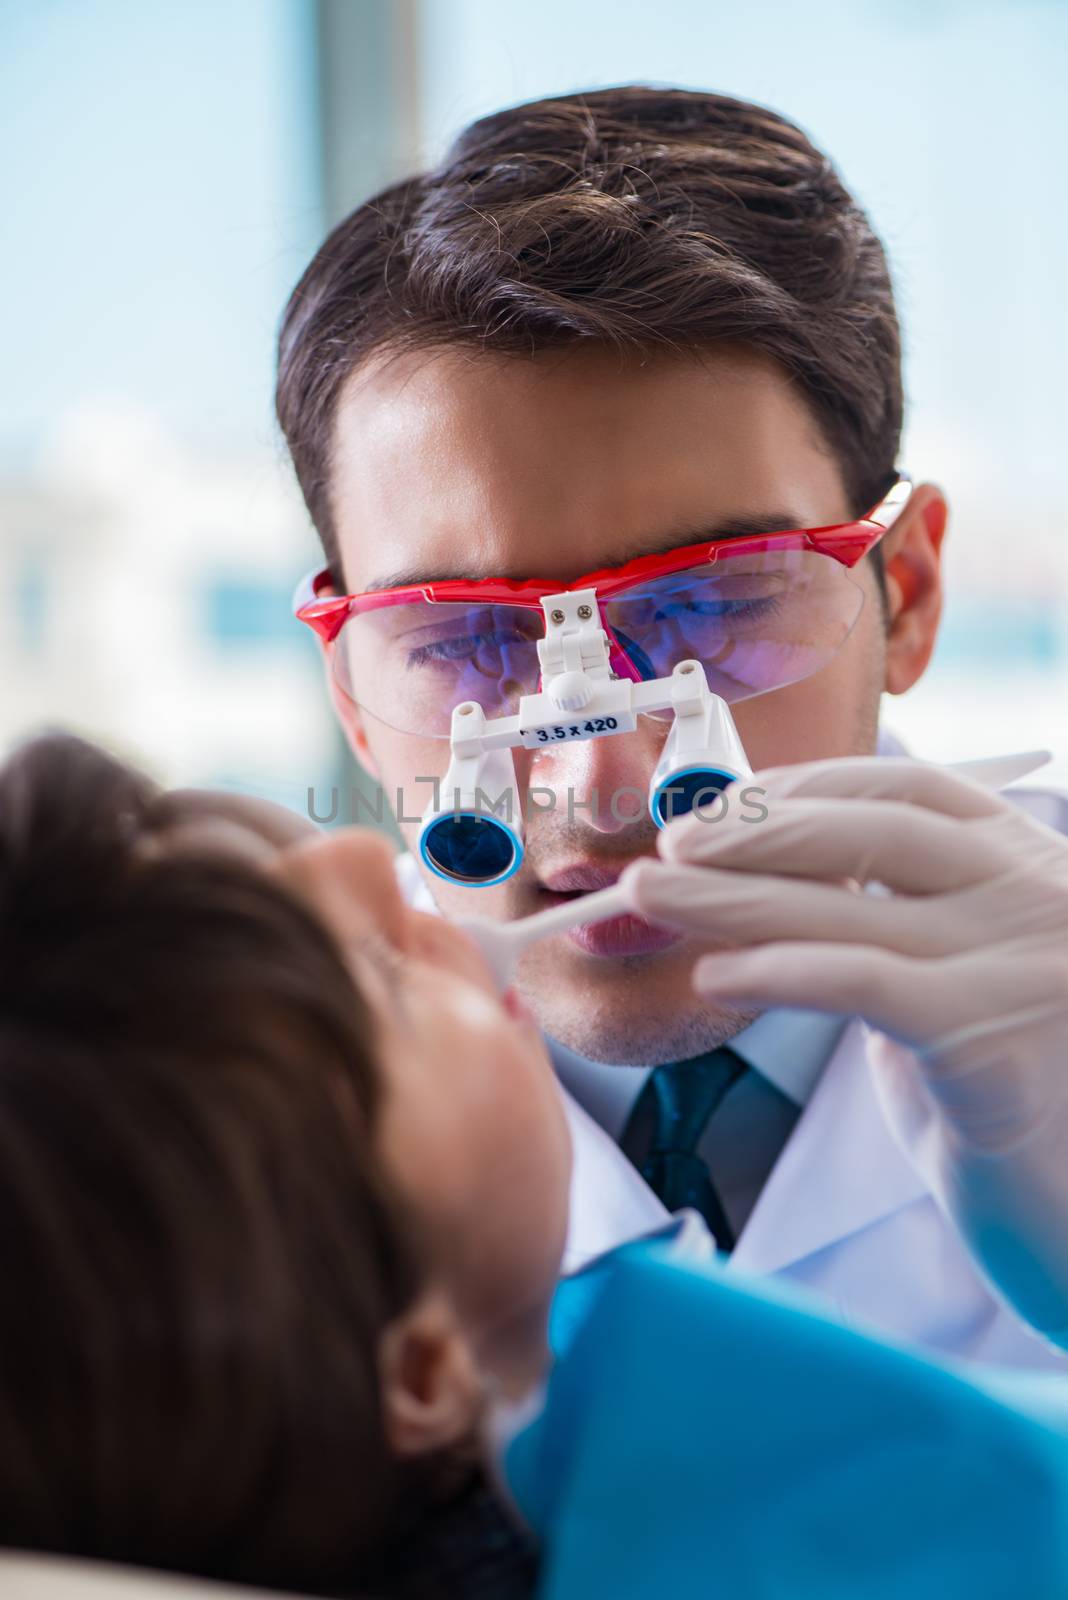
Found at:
<point>602,783</point>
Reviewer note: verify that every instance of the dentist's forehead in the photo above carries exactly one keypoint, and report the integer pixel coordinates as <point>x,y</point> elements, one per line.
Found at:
<point>452,463</point>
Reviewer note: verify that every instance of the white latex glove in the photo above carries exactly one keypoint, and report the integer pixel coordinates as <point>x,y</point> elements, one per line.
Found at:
<point>962,957</point>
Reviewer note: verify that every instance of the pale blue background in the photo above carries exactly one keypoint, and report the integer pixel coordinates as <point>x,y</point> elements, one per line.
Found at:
<point>161,191</point>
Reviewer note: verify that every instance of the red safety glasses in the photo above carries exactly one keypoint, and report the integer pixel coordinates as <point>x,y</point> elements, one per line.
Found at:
<point>758,611</point>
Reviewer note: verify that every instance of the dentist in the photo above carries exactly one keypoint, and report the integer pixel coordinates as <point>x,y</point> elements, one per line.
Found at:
<point>645,340</point>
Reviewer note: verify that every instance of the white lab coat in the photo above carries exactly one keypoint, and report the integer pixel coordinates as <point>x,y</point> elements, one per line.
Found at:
<point>844,1213</point>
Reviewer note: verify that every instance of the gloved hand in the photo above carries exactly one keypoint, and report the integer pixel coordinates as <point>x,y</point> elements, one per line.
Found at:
<point>958,951</point>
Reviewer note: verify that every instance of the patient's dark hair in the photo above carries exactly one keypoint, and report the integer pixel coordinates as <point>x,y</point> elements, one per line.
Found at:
<point>199,1249</point>
<point>636,217</point>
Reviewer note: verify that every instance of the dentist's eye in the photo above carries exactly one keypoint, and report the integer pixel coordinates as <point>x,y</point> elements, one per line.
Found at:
<point>444,650</point>
<point>728,610</point>
<point>486,650</point>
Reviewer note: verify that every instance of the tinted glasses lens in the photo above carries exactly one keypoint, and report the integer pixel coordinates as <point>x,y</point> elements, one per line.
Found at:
<point>755,622</point>
<point>410,664</point>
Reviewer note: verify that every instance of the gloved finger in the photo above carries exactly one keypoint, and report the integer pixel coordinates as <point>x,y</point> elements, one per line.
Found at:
<point>921,1002</point>
<point>919,783</point>
<point>889,990</point>
<point>859,777</point>
<point>742,908</point>
<point>911,850</point>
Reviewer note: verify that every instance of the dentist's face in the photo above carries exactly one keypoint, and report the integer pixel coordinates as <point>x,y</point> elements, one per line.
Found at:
<point>450,462</point>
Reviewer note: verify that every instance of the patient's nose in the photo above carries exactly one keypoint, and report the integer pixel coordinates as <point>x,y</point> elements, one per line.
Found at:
<point>348,878</point>
<point>442,944</point>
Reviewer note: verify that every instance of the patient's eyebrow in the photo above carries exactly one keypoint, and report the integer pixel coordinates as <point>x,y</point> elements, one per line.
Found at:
<point>390,965</point>
<point>673,538</point>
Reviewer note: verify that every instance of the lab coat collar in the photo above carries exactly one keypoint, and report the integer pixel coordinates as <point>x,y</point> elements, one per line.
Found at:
<point>610,1200</point>
<point>790,1048</point>
<point>840,1171</point>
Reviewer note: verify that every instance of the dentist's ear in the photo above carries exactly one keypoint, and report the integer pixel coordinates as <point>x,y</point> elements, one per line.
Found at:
<point>912,563</point>
<point>432,1397</point>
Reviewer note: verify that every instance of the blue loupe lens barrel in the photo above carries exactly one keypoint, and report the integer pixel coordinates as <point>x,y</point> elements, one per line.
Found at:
<point>683,791</point>
<point>472,849</point>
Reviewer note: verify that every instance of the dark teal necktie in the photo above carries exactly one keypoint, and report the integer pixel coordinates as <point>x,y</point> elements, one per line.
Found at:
<point>676,1104</point>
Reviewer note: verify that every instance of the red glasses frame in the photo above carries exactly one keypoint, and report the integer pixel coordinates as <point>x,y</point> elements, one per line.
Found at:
<point>845,542</point>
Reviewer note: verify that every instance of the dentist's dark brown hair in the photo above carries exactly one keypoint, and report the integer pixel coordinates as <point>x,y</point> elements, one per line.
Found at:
<point>636,217</point>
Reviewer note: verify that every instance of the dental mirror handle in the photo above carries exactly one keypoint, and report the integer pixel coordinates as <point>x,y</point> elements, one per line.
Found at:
<point>595,907</point>
<point>502,943</point>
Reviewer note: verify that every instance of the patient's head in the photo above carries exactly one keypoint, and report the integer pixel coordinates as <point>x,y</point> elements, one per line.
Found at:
<point>282,1184</point>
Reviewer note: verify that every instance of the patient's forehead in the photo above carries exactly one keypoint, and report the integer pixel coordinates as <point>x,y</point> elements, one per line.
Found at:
<point>209,819</point>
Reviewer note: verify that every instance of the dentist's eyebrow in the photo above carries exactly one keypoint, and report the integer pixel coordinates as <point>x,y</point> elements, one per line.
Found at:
<point>673,538</point>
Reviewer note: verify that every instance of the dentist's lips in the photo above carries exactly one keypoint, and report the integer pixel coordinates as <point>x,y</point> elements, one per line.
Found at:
<point>618,936</point>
